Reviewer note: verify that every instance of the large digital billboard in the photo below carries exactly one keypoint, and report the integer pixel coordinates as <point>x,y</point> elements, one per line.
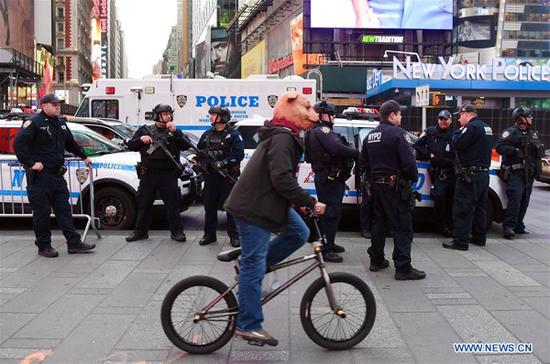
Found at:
<point>382,14</point>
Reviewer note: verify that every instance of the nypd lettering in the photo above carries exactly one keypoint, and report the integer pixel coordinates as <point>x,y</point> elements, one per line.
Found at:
<point>374,137</point>
<point>228,101</point>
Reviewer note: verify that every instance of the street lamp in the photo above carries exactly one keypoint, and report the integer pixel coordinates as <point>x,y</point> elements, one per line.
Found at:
<point>401,52</point>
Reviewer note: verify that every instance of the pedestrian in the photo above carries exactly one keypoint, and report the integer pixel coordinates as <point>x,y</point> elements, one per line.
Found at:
<point>159,146</point>
<point>332,160</point>
<point>40,146</point>
<point>224,148</point>
<point>521,150</point>
<point>388,161</point>
<point>472,144</point>
<point>262,202</point>
<point>434,145</point>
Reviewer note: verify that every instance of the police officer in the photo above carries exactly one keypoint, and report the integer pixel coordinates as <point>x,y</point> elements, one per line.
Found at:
<point>389,162</point>
<point>472,144</point>
<point>521,149</point>
<point>159,171</point>
<point>40,146</point>
<point>434,145</point>
<point>223,147</point>
<point>331,160</point>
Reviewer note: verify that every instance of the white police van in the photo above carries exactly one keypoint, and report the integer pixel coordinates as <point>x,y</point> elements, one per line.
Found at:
<point>355,125</point>
<point>115,178</point>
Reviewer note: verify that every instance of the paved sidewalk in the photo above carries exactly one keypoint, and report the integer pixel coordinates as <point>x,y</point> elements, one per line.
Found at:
<point>104,307</point>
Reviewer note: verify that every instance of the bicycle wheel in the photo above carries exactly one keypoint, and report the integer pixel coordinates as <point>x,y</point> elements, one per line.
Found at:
<point>326,328</point>
<point>184,301</point>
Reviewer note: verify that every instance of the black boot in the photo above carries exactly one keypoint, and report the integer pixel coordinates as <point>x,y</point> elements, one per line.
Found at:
<point>332,257</point>
<point>234,241</point>
<point>411,275</point>
<point>338,248</point>
<point>48,252</point>
<point>135,236</point>
<point>207,239</point>
<point>79,247</point>
<point>508,233</point>
<point>455,246</point>
<point>375,267</point>
<point>178,236</point>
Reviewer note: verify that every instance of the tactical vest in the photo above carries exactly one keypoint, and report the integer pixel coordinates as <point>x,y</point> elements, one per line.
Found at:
<point>218,144</point>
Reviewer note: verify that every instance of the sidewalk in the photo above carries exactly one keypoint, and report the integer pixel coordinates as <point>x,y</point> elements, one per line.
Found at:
<point>104,307</point>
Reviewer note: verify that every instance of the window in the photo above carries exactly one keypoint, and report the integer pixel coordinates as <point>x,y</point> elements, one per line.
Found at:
<point>60,12</point>
<point>105,109</point>
<point>93,143</point>
<point>106,133</point>
<point>84,109</point>
<point>60,26</point>
<point>60,77</point>
<point>60,43</point>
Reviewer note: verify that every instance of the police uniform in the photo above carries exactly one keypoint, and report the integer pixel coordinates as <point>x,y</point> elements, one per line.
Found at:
<point>389,162</point>
<point>158,175</point>
<point>227,147</point>
<point>44,139</point>
<point>521,150</point>
<point>331,160</point>
<point>435,140</point>
<point>472,145</point>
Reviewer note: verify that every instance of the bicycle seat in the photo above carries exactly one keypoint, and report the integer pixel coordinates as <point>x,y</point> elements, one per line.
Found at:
<point>229,255</point>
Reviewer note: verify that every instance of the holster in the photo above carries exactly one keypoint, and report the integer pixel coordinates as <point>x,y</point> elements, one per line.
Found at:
<point>140,170</point>
<point>504,173</point>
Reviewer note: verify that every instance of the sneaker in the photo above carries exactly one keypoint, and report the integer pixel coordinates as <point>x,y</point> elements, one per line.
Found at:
<point>411,275</point>
<point>332,257</point>
<point>207,239</point>
<point>270,283</point>
<point>80,247</point>
<point>234,241</point>
<point>48,252</point>
<point>135,236</point>
<point>338,248</point>
<point>374,267</point>
<point>508,233</point>
<point>455,246</point>
<point>257,337</point>
<point>178,236</point>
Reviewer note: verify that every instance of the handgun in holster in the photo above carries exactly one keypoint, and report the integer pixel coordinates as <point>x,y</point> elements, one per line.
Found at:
<point>140,170</point>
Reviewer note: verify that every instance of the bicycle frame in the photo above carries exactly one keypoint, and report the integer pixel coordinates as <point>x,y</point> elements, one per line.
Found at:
<point>319,263</point>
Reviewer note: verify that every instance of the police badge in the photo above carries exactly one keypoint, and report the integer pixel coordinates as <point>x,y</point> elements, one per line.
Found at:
<point>272,100</point>
<point>82,175</point>
<point>181,100</point>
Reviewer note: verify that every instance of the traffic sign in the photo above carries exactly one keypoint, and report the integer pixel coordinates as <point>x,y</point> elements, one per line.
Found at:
<point>422,96</point>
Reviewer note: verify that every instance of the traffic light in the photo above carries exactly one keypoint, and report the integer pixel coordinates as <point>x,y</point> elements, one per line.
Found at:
<point>438,100</point>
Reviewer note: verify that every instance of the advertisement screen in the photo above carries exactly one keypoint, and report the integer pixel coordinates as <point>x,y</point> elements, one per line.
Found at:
<point>382,14</point>
<point>476,32</point>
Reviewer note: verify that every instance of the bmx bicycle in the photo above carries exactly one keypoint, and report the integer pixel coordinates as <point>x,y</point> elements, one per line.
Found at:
<point>337,311</point>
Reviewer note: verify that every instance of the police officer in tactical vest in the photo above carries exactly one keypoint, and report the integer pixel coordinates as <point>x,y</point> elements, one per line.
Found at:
<point>159,146</point>
<point>332,160</point>
<point>471,145</point>
<point>521,150</point>
<point>40,146</point>
<point>223,149</point>
<point>434,145</point>
<point>389,163</point>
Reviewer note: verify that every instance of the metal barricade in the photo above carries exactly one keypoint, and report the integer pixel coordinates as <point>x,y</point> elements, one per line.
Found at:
<point>14,199</point>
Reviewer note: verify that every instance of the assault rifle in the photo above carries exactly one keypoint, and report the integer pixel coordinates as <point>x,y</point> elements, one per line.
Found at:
<point>205,160</point>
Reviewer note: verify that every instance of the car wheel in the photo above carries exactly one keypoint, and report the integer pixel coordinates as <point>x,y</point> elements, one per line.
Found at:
<point>115,208</point>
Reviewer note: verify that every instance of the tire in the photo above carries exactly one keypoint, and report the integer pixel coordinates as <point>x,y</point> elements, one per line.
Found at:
<point>223,334</point>
<point>364,321</point>
<point>118,202</point>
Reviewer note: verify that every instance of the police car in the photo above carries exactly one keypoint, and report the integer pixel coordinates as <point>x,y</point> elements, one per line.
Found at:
<point>115,178</point>
<point>355,124</point>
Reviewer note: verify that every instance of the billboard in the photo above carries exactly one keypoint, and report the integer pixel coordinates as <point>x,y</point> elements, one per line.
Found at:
<point>382,14</point>
<point>17,26</point>
<point>224,54</point>
<point>99,39</point>
<point>254,62</point>
<point>476,32</point>
<point>297,40</point>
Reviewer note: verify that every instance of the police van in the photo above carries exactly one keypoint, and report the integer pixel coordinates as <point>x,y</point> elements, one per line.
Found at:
<point>115,179</point>
<point>131,100</point>
<point>355,124</point>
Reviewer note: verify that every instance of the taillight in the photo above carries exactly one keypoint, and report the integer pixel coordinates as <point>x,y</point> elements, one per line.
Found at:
<point>110,90</point>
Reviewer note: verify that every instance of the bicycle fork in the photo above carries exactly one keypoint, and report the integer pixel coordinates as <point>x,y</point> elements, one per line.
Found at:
<point>328,285</point>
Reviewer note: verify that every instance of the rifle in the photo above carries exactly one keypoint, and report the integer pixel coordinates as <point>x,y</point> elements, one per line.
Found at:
<point>205,160</point>
<point>160,140</point>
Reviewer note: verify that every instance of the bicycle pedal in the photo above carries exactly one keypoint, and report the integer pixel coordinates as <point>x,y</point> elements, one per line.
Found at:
<point>255,343</point>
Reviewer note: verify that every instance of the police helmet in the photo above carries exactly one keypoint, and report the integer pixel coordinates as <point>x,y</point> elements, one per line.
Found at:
<point>521,111</point>
<point>325,107</point>
<point>162,108</point>
<point>222,111</point>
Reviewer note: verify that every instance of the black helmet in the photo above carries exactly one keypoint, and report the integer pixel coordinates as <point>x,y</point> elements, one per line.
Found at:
<point>325,107</point>
<point>222,111</point>
<point>521,111</point>
<point>162,108</point>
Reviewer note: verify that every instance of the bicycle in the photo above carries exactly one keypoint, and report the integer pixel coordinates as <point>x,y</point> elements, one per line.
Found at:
<point>207,319</point>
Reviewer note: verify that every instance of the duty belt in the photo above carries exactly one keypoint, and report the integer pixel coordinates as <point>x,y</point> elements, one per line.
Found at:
<point>475,169</point>
<point>388,180</point>
<point>58,171</point>
<point>515,166</point>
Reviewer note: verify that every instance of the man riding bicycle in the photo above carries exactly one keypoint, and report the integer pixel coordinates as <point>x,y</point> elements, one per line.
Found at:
<point>262,202</point>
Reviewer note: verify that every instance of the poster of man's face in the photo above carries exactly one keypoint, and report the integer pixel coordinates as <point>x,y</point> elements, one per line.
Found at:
<point>224,58</point>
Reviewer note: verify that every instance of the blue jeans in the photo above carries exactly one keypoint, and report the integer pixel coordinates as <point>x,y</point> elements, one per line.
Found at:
<point>259,252</point>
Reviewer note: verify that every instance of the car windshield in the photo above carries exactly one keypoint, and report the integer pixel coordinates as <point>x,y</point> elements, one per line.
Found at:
<point>127,130</point>
<point>94,144</point>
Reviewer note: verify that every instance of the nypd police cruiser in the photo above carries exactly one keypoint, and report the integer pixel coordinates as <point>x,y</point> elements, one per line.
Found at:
<point>355,124</point>
<point>115,178</point>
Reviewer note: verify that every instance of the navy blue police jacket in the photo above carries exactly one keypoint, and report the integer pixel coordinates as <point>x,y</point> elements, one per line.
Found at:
<point>473,143</point>
<point>435,140</point>
<point>44,139</point>
<point>386,152</point>
<point>228,143</point>
<point>517,146</point>
<point>325,148</point>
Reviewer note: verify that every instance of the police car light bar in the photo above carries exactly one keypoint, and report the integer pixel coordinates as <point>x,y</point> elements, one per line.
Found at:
<point>359,110</point>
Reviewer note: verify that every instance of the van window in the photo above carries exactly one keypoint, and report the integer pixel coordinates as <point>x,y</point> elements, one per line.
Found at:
<point>105,109</point>
<point>84,109</point>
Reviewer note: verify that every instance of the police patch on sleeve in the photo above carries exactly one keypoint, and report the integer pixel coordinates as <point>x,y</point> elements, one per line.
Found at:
<point>325,129</point>
<point>488,130</point>
<point>26,124</point>
<point>506,134</point>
